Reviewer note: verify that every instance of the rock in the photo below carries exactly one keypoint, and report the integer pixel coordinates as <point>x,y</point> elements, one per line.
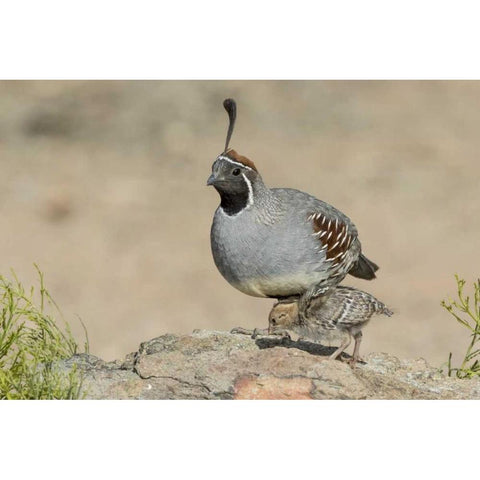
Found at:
<point>267,387</point>
<point>221,365</point>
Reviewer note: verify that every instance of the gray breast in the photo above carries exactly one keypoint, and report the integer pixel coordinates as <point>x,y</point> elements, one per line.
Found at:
<point>278,257</point>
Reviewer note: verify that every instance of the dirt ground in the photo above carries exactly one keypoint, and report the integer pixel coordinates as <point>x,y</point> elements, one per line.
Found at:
<point>102,184</point>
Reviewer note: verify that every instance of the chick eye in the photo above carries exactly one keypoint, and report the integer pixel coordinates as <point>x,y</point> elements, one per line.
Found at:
<point>273,321</point>
<point>236,172</point>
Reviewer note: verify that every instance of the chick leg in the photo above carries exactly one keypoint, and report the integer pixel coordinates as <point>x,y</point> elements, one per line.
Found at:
<point>346,342</point>
<point>358,339</point>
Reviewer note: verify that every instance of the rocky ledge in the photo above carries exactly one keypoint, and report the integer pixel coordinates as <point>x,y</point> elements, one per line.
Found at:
<point>221,365</point>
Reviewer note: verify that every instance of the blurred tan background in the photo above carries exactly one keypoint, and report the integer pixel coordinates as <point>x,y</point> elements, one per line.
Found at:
<point>102,183</point>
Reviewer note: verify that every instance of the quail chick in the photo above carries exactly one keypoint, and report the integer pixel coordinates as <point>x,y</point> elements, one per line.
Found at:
<point>277,242</point>
<point>342,308</point>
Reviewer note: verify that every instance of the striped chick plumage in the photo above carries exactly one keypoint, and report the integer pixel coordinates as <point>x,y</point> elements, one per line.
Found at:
<point>342,308</point>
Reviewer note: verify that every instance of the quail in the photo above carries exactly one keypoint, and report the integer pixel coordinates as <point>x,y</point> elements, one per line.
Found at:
<point>342,308</point>
<point>277,242</point>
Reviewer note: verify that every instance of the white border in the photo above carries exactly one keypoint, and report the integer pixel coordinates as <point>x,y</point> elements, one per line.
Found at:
<point>261,40</point>
<point>257,40</point>
<point>242,439</point>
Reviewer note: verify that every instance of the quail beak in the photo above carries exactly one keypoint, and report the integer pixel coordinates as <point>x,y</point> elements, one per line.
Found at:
<point>211,180</point>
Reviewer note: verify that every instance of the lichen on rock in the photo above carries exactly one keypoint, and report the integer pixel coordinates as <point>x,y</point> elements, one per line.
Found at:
<point>221,365</point>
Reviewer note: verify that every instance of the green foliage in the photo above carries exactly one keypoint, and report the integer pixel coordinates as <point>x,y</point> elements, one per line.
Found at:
<point>469,316</point>
<point>31,343</point>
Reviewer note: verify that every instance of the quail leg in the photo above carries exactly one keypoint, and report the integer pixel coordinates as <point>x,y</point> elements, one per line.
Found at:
<point>346,342</point>
<point>253,333</point>
<point>241,331</point>
<point>284,334</point>
<point>259,331</point>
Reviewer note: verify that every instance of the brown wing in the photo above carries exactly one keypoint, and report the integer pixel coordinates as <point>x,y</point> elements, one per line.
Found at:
<point>334,236</point>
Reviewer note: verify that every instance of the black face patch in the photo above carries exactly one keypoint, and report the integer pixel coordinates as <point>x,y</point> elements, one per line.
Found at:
<point>233,204</point>
<point>233,182</point>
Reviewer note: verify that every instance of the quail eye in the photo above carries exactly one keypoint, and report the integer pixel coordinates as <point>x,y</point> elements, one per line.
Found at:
<point>236,172</point>
<point>273,321</point>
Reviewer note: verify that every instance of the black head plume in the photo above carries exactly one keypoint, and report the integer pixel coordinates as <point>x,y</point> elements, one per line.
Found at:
<point>231,108</point>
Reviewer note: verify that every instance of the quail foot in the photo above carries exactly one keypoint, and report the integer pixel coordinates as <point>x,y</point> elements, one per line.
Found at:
<point>343,308</point>
<point>277,242</point>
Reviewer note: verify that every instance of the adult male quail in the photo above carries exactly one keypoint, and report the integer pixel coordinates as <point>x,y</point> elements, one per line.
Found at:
<point>342,308</point>
<point>277,242</point>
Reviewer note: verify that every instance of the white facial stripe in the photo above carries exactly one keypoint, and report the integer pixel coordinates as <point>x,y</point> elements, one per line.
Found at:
<point>250,190</point>
<point>222,157</point>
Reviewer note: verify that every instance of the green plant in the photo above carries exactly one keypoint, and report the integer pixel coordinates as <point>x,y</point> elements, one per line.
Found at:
<point>31,345</point>
<point>469,316</point>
